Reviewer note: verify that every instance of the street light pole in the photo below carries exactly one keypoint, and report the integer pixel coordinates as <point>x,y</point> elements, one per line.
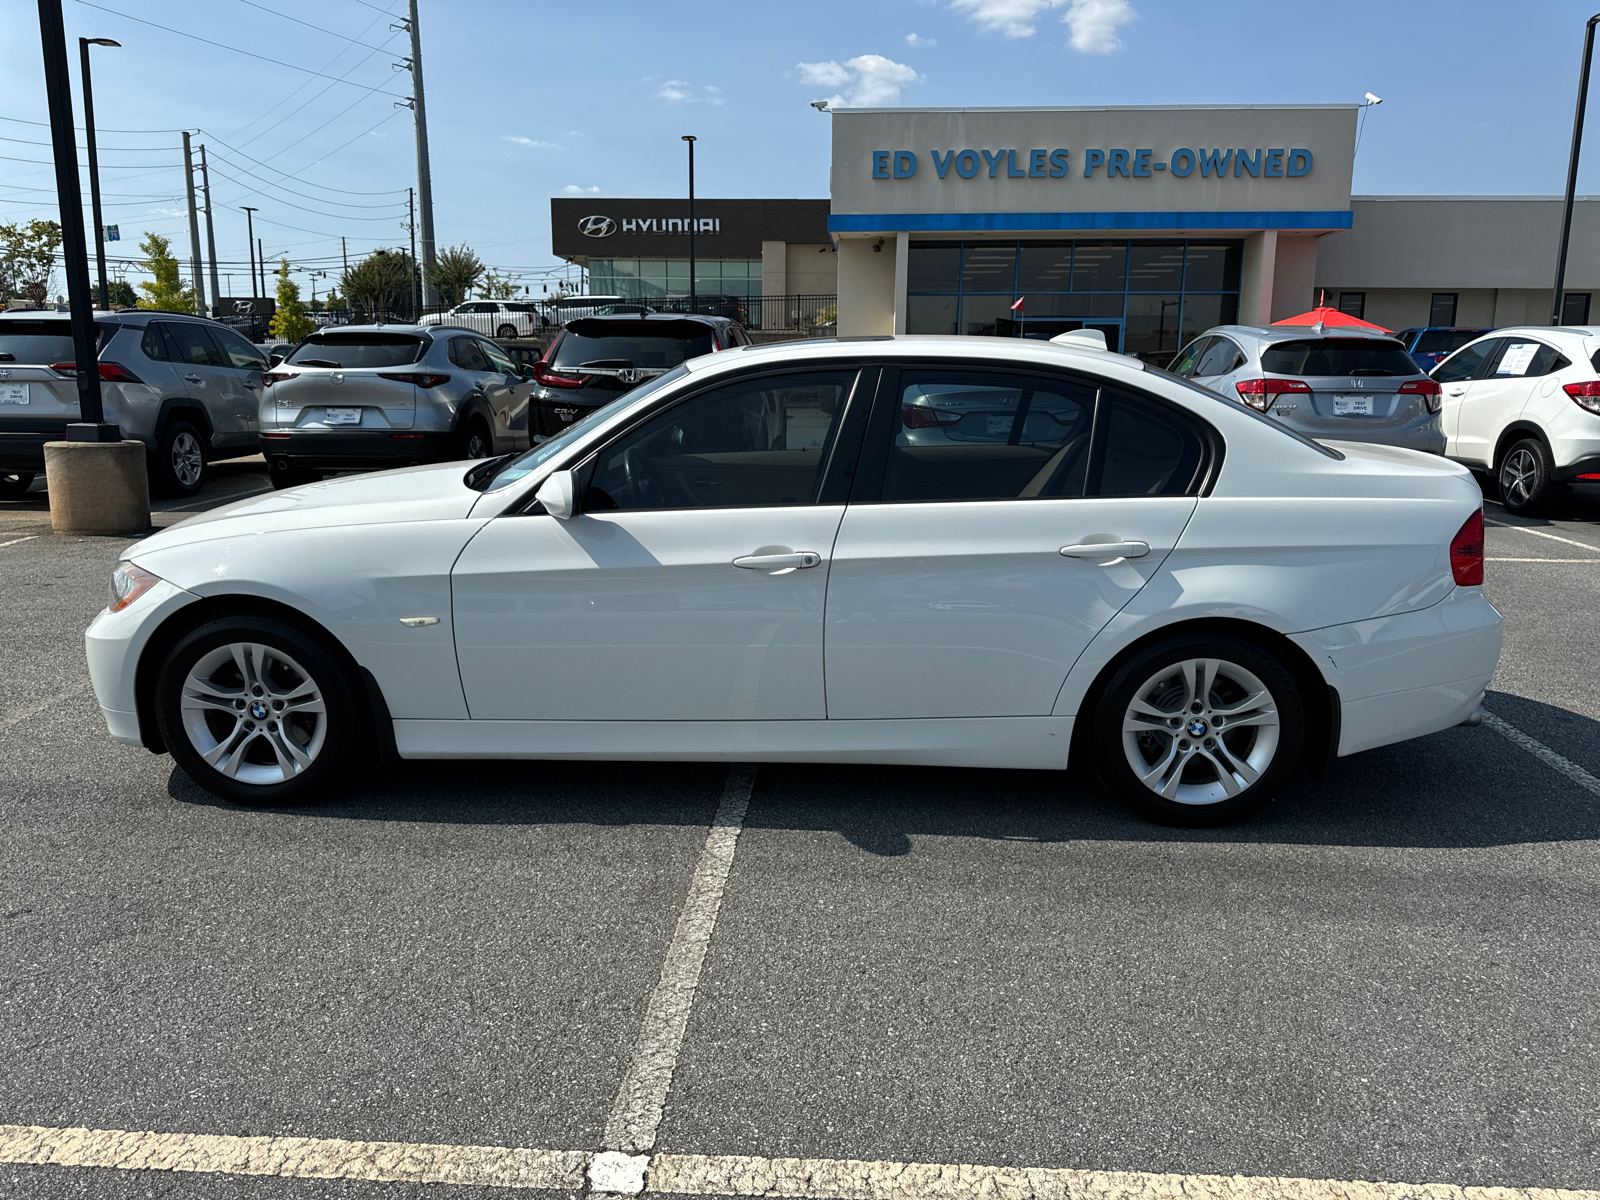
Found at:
<point>419,107</point>
<point>94,163</point>
<point>211,234</point>
<point>1572,167</point>
<point>250,234</point>
<point>691,140</point>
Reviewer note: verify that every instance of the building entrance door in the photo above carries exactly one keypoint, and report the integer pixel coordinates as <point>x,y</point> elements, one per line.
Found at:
<point>1045,328</point>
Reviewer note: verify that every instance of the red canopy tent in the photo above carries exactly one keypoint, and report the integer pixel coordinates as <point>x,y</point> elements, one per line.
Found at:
<point>1330,316</point>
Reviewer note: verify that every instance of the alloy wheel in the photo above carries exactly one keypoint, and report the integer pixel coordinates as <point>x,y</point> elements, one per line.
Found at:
<point>1200,731</point>
<point>477,446</point>
<point>188,462</point>
<point>1518,475</point>
<point>253,713</point>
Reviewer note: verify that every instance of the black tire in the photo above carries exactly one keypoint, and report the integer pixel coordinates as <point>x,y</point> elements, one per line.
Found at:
<point>14,484</point>
<point>178,466</point>
<point>1260,755</point>
<point>255,741</point>
<point>506,331</point>
<point>475,439</point>
<point>1527,478</point>
<point>285,477</point>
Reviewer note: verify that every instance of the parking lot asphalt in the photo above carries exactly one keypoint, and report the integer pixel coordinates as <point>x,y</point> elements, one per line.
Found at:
<point>1386,975</point>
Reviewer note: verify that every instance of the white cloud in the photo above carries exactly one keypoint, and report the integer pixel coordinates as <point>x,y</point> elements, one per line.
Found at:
<point>681,91</point>
<point>867,80</point>
<point>914,39</point>
<point>530,143</point>
<point>1092,24</point>
<point>573,189</point>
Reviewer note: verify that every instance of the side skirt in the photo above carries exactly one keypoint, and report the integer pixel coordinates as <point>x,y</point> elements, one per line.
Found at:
<point>1027,743</point>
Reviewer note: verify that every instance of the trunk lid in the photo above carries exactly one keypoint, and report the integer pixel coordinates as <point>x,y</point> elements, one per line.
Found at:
<point>29,389</point>
<point>335,379</point>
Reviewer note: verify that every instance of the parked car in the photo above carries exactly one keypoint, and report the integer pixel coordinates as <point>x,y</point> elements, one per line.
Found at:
<point>1341,384</point>
<point>593,359</point>
<point>360,397</point>
<point>559,310</point>
<point>1196,598</point>
<point>1524,403</point>
<point>497,318</point>
<point>185,386</point>
<point>732,307</point>
<point>1431,346</point>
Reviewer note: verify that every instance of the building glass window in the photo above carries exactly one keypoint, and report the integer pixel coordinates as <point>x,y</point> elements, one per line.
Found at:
<point>1147,296</point>
<point>1575,308</point>
<point>1443,309</point>
<point>1353,304</point>
<point>657,278</point>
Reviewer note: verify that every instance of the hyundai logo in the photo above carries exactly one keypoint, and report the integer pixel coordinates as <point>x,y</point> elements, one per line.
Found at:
<point>597,226</point>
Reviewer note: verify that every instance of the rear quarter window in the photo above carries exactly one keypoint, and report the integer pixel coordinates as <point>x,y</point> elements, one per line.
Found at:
<point>337,349</point>
<point>1338,356</point>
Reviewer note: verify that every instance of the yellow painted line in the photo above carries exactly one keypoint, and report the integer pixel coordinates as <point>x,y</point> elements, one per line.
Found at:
<point>684,1174</point>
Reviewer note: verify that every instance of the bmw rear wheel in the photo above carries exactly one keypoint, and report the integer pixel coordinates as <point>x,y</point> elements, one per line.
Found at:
<point>257,712</point>
<point>1199,731</point>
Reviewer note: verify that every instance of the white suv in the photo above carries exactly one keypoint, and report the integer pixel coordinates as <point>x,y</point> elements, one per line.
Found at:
<point>1524,403</point>
<point>497,318</point>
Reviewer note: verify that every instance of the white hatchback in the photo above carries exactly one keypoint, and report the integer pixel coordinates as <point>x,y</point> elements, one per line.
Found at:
<point>760,557</point>
<point>1524,403</point>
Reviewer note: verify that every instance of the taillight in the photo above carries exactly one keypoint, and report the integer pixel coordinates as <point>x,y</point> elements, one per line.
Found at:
<point>1466,552</point>
<point>70,368</point>
<point>1431,393</point>
<point>546,377</point>
<point>422,379</point>
<point>915,416</point>
<point>1585,395</point>
<point>1262,394</point>
<point>272,377</point>
<point>109,371</point>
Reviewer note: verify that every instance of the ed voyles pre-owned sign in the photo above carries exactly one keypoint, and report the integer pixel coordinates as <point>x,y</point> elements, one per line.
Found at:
<point>1109,163</point>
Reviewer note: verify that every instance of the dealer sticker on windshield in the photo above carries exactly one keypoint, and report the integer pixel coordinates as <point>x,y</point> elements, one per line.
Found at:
<point>343,416</point>
<point>13,393</point>
<point>1352,406</point>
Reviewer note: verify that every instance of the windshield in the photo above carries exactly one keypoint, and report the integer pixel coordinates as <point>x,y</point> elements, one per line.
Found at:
<point>1338,356</point>
<point>340,349</point>
<point>576,351</point>
<point>1217,397</point>
<point>532,460</point>
<point>1442,341</point>
<point>40,342</point>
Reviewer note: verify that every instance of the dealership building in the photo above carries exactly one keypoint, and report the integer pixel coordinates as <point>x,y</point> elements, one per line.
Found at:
<point>1147,223</point>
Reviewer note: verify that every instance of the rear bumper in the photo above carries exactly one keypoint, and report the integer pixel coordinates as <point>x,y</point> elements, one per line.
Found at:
<point>22,442</point>
<point>356,450</point>
<point>1427,435</point>
<point>1584,466</point>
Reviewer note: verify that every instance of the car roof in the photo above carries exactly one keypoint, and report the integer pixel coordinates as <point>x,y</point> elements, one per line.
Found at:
<point>397,327</point>
<point>923,345</point>
<point>135,317</point>
<point>1298,333</point>
<point>704,318</point>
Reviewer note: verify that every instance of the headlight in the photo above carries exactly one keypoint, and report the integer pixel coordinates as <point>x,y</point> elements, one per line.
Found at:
<point>128,583</point>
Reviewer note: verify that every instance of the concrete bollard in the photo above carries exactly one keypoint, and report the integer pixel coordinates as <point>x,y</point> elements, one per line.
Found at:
<point>97,487</point>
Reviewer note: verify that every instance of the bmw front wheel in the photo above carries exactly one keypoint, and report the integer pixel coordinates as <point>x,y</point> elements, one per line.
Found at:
<point>257,712</point>
<point>1199,731</point>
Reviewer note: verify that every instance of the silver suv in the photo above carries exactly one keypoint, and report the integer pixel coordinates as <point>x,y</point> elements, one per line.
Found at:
<point>369,397</point>
<point>186,387</point>
<point>1335,383</point>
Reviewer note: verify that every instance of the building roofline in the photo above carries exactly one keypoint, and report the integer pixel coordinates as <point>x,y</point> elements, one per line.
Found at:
<point>1391,199</point>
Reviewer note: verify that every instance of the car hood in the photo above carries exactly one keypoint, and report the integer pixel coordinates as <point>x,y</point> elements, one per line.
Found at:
<point>431,493</point>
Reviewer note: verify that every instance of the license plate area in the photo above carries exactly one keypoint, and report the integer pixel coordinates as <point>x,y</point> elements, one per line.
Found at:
<point>342,416</point>
<point>1352,406</point>
<point>14,393</point>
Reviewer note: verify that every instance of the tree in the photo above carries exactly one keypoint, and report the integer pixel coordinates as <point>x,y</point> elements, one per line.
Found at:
<point>455,273</point>
<point>375,283</point>
<point>496,286</point>
<point>167,292</point>
<point>289,320</point>
<point>120,291</point>
<point>27,258</point>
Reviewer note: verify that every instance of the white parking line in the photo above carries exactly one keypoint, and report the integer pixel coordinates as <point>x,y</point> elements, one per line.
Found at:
<point>16,541</point>
<point>214,501</point>
<point>684,1174</point>
<point>631,1129</point>
<point>1541,533</point>
<point>1543,753</point>
<point>1565,560</point>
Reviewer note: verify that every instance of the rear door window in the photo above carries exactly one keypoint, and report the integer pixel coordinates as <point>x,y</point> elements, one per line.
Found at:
<point>192,346</point>
<point>1464,364</point>
<point>239,352</point>
<point>339,349</point>
<point>1189,357</point>
<point>1337,356</point>
<point>1149,449</point>
<point>1222,357</point>
<point>467,353</point>
<point>498,359</point>
<point>1522,358</point>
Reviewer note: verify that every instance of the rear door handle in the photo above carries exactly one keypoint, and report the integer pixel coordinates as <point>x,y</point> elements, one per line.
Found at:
<point>1457,392</point>
<point>194,379</point>
<point>777,562</point>
<point>1107,550</point>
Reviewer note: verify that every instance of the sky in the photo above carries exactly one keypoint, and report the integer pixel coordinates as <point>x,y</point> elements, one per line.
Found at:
<point>528,99</point>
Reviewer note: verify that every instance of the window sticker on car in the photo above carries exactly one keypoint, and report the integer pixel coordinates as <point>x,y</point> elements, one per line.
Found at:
<point>1516,358</point>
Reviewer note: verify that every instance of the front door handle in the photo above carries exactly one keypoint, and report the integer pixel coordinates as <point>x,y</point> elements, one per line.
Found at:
<point>1107,550</point>
<point>1457,392</point>
<point>778,562</point>
<point>194,379</point>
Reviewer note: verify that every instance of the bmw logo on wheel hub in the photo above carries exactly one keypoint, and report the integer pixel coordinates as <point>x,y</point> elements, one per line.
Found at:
<point>1197,728</point>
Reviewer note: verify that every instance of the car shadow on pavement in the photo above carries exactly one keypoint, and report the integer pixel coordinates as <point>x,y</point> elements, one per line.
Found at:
<point>1462,788</point>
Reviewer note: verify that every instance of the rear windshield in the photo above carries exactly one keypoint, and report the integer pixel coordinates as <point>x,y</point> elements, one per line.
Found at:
<point>41,342</point>
<point>1442,341</point>
<point>1338,356</point>
<point>576,351</point>
<point>338,349</point>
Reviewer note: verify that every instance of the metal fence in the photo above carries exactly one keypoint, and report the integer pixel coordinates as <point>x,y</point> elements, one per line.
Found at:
<point>808,315</point>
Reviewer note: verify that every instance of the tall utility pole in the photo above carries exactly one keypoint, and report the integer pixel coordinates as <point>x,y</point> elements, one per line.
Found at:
<point>91,425</point>
<point>261,263</point>
<point>691,140</point>
<point>1572,167</point>
<point>411,206</point>
<point>94,162</point>
<point>424,176</point>
<point>211,234</point>
<point>250,237</point>
<point>344,249</point>
<point>196,266</point>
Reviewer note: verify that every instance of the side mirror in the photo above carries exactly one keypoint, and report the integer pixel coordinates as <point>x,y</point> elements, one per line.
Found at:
<point>557,495</point>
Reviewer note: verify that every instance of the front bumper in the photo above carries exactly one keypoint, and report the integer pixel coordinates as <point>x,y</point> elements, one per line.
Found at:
<point>355,450</point>
<point>113,644</point>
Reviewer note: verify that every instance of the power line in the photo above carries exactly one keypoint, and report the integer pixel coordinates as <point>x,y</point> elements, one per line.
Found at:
<point>304,196</point>
<point>314,97</point>
<point>309,25</point>
<point>50,162</point>
<point>224,46</point>
<point>309,183</point>
<point>102,149</point>
<point>80,129</point>
<point>301,207</point>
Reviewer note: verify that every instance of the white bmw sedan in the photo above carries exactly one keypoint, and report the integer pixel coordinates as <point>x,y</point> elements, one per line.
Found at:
<point>762,556</point>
